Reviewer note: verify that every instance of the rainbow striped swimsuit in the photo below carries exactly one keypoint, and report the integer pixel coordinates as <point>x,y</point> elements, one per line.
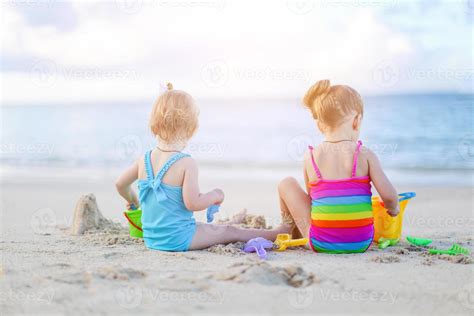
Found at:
<point>341,212</point>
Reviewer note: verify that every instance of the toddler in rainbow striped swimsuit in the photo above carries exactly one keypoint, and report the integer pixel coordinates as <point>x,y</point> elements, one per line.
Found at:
<point>335,211</point>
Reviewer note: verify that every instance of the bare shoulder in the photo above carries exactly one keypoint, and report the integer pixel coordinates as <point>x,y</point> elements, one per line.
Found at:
<point>187,163</point>
<point>368,154</point>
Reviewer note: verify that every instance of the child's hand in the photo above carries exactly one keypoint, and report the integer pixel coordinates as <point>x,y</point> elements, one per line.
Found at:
<point>393,212</point>
<point>131,206</point>
<point>219,196</point>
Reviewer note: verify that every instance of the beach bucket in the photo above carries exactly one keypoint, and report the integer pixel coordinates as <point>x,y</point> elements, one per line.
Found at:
<point>385,225</point>
<point>134,218</point>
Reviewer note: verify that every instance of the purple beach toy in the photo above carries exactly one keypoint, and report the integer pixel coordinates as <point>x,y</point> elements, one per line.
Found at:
<point>258,245</point>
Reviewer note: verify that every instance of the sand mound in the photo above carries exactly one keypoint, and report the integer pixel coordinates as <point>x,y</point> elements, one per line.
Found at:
<point>110,237</point>
<point>460,259</point>
<point>117,273</point>
<point>248,221</point>
<point>263,273</point>
<point>229,249</point>
<point>385,259</point>
<point>254,221</point>
<point>400,251</point>
<point>87,217</point>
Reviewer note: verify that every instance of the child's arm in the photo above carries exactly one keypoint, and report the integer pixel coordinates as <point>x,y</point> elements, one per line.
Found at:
<point>124,185</point>
<point>193,198</point>
<point>383,185</point>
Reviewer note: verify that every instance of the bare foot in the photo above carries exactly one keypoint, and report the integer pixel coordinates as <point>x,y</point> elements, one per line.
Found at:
<point>238,218</point>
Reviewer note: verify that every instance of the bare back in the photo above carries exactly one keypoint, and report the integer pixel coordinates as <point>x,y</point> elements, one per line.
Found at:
<point>174,176</point>
<point>336,161</point>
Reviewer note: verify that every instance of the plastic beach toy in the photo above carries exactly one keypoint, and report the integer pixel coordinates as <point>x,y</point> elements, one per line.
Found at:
<point>284,241</point>
<point>386,242</point>
<point>258,245</point>
<point>420,242</point>
<point>454,250</point>
<point>385,225</point>
<point>134,218</point>
<point>211,210</point>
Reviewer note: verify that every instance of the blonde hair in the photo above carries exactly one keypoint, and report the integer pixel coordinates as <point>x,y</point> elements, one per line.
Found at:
<point>330,105</point>
<point>174,117</point>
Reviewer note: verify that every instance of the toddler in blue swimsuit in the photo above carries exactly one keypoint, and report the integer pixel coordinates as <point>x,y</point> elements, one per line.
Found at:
<point>168,185</point>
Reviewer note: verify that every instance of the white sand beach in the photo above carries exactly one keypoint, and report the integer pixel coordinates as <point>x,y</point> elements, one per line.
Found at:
<point>47,271</point>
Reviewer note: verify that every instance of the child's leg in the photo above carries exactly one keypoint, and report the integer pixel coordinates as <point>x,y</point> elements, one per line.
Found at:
<point>207,235</point>
<point>295,204</point>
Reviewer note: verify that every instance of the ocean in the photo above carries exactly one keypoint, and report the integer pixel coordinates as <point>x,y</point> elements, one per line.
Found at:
<point>420,135</point>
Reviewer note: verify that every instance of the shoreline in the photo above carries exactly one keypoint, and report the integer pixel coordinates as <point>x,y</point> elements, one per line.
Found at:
<point>400,177</point>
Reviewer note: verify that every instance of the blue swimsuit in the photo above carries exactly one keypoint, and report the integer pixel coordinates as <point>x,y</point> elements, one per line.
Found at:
<point>167,224</point>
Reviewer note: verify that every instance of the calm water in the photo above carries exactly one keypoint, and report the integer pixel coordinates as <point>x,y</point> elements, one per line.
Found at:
<point>408,132</point>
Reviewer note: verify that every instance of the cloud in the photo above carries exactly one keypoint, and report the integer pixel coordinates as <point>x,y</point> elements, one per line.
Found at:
<point>97,51</point>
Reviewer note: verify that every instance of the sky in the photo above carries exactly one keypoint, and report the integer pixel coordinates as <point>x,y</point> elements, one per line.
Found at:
<point>66,52</point>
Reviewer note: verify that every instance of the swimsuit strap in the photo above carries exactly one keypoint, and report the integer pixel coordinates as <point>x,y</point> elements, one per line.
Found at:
<point>169,163</point>
<point>315,166</point>
<point>148,167</point>
<point>356,156</point>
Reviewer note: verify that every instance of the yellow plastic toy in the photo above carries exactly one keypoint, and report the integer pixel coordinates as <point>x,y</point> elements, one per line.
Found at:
<point>284,241</point>
<point>386,226</point>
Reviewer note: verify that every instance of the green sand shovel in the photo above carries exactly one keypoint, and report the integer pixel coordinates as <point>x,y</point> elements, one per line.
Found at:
<point>454,250</point>
<point>386,242</point>
<point>420,242</point>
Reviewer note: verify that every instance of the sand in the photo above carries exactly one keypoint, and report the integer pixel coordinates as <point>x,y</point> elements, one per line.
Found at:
<point>47,270</point>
